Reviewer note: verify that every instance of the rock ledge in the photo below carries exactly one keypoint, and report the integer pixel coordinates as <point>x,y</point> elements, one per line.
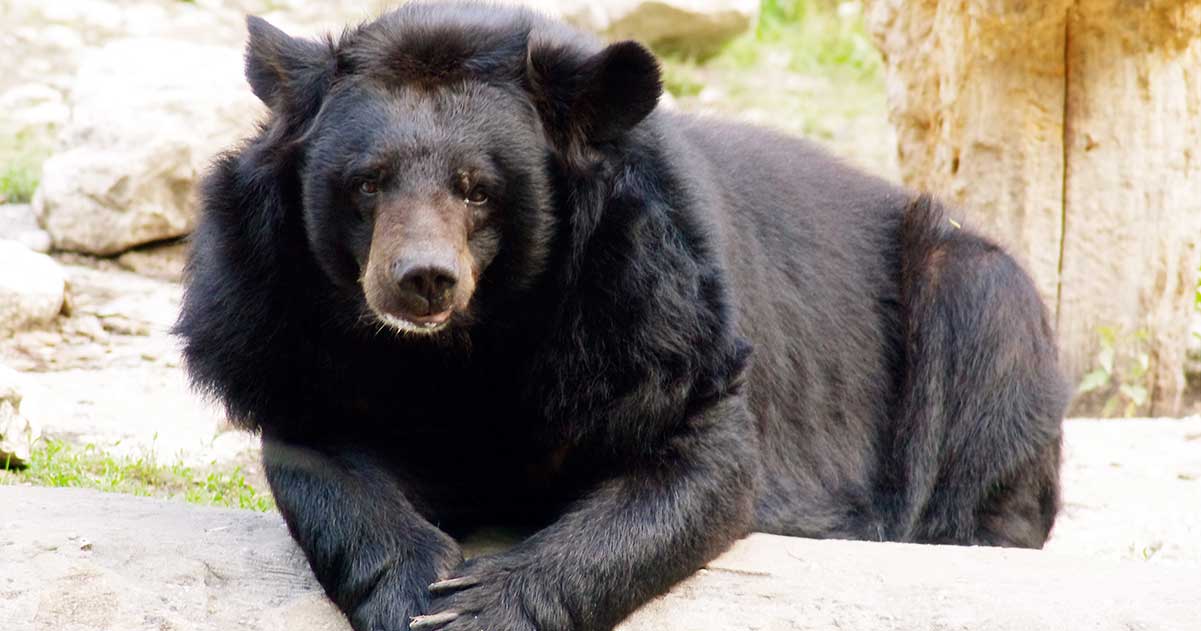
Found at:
<point>85,560</point>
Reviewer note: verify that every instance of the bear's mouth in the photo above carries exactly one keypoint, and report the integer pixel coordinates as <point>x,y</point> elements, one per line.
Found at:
<point>423,325</point>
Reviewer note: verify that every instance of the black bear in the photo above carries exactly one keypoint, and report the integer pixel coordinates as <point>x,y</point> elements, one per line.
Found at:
<point>467,274</point>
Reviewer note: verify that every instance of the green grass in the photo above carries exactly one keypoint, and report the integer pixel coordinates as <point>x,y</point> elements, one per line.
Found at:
<point>58,464</point>
<point>19,176</point>
<point>822,37</point>
<point>1197,293</point>
<point>807,37</point>
<point>21,160</point>
<point>1197,300</point>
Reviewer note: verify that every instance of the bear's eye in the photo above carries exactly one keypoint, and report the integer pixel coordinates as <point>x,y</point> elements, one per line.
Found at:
<point>369,187</point>
<point>477,196</point>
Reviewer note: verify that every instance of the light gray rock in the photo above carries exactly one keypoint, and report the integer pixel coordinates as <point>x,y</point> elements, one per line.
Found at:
<point>17,433</point>
<point>148,116</point>
<point>94,561</point>
<point>32,286</point>
<point>19,223</point>
<point>37,240</point>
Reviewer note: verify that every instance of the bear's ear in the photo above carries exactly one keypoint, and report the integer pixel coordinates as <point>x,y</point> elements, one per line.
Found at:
<point>288,74</point>
<point>594,99</point>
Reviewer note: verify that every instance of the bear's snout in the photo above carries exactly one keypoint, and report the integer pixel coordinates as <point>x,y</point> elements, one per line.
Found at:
<point>420,270</point>
<point>425,288</point>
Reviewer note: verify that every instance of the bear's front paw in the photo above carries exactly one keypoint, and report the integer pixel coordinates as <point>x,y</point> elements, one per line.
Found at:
<point>402,592</point>
<point>391,603</point>
<point>493,593</point>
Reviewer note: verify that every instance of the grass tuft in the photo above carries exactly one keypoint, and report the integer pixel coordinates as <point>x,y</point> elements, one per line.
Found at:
<point>826,38</point>
<point>21,157</point>
<point>57,464</point>
<point>19,177</point>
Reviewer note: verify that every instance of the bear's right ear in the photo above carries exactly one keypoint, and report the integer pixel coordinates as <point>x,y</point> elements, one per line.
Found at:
<point>593,99</point>
<point>288,74</point>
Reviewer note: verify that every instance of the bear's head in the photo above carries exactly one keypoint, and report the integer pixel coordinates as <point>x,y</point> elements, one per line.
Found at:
<point>430,144</point>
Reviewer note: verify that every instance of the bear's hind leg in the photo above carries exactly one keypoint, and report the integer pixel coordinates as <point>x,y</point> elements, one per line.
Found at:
<point>1022,512</point>
<point>974,451</point>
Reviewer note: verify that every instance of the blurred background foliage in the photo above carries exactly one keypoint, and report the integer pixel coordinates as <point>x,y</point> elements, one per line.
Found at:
<point>808,68</point>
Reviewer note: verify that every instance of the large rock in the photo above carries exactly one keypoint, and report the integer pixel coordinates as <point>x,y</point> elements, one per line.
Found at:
<point>89,561</point>
<point>93,561</point>
<point>17,433</point>
<point>698,25</point>
<point>148,116</point>
<point>32,286</point>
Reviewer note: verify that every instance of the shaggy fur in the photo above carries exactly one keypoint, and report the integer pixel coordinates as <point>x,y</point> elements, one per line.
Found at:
<point>595,382</point>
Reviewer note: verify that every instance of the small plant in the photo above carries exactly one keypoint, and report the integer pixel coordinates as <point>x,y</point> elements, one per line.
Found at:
<point>1197,303</point>
<point>1197,293</point>
<point>1126,383</point>
<point>21,157</point>
<point>18,181</point>
<point>1145,553</point>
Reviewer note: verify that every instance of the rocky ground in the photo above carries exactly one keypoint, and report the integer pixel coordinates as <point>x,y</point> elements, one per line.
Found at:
<point>107,371</point>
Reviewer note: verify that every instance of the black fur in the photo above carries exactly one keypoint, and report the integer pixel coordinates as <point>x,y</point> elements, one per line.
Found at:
<point>599,388</point>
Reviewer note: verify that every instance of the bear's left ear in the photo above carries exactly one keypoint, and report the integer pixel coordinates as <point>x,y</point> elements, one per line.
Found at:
<point>594,99</point>
<point>288,74</point>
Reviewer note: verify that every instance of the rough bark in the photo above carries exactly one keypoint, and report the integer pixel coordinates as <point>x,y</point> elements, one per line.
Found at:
<point>1132,190</point>
<point>1068,130</point>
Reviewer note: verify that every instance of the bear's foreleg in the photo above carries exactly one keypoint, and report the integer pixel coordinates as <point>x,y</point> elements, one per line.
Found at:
<point>633,537</point>
<point>369,548</point>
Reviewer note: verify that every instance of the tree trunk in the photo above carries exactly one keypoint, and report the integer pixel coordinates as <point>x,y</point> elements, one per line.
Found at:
<point>1070,131</point>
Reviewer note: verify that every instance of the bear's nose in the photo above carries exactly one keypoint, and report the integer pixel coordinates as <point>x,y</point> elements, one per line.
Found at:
<point>425,289</point>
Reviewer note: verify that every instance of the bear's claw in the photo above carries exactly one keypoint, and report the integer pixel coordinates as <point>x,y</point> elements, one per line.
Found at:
<point>428,623</point>
<point>453,584</point>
